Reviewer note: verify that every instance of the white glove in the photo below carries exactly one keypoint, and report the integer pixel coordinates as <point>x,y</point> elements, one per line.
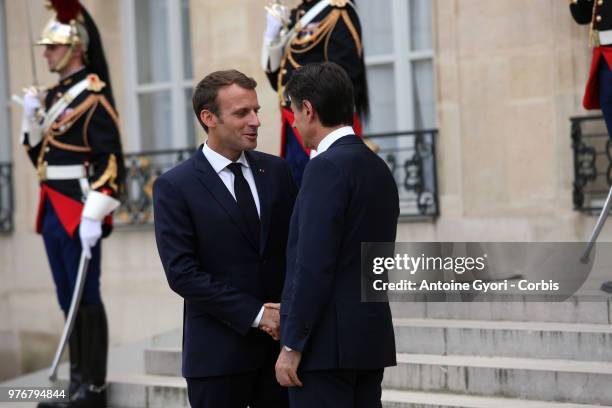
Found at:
<point>31,104</point>
<point>90,232</point>
<point>29,121</point>
<point>273,27</point>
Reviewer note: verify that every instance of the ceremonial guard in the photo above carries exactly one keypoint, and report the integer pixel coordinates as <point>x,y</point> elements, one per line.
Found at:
<point>71,134</point>
<point>598,13</point>
<point>314,31</point>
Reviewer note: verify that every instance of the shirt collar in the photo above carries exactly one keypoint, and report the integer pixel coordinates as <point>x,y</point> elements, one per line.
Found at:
<point>331,138</point>
<point>220,162</point>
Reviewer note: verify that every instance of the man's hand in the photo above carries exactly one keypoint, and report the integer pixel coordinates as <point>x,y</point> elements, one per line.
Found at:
<point>90,232</point>
<point>273,27</point>
<point>286,368</point>
<point>270,321</point>
<point>31,105</point>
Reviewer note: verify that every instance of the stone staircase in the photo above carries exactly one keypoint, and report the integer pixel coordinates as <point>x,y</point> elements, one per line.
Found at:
<point>523,355</point>
<point>463,355</point>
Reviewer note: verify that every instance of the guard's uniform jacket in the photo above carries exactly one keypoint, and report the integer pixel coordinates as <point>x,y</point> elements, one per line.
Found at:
<point>334,35</point>
<point>85,134</point>
<point>598,13</point>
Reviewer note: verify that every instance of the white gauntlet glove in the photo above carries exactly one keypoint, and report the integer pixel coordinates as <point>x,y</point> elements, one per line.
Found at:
<point>272,47</point>
<point>29,120</point>
<point>90,232</point>
<point>273,27</point>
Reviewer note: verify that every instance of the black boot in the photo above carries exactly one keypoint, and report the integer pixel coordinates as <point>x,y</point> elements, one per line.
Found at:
<point>74,347</point>
<point>94,351</point>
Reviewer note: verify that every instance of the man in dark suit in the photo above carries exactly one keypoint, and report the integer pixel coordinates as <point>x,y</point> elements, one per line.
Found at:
<point>348,196</point>
<point>221,251</point>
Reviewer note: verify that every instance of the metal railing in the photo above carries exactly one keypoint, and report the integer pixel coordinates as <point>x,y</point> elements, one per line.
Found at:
<point>411,156</point>
<point>141,171</point>
<point>592,152</point>
<point>6,198</point>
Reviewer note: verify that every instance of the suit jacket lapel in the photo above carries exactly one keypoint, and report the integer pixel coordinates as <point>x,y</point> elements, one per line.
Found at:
<point>263,191</point>
<point>211,180</point>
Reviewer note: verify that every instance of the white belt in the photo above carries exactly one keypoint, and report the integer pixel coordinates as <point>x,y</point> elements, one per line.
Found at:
<point>71,172</point>
<point>605,37</point>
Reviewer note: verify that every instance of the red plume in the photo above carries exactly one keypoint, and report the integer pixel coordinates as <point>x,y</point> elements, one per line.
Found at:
<point>66,10</point>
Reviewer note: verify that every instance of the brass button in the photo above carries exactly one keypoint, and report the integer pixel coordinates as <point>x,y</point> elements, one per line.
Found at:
<point>598,18</point>
<point>600,2</point>
<point>48,149</point>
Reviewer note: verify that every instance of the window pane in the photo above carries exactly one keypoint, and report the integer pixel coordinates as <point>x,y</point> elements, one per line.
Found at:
<point>424,105</point>
<point>186,34</point>
<point>420,24</point>
<point>376,25</point>
<point>152,41</point>
<point>193,136</point>
<point>155,120</point>
<point>381,86</point>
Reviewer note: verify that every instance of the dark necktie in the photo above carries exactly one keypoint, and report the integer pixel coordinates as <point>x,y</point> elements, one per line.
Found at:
<point>245,200</point>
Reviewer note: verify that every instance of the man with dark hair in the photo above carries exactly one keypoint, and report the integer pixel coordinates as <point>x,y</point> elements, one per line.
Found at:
<point>71,134</point>
<point>221,251</point>
<point>348,196</point>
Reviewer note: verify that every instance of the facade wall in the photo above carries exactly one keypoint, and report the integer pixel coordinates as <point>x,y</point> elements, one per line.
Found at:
<point>508,75</point>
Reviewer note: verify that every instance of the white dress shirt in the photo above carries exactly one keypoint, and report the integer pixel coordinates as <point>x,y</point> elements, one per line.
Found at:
<point>330,139</point>
<point>219,163</point>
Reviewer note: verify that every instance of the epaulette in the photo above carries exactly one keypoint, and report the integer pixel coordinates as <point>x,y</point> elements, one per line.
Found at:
<point>95,83</point>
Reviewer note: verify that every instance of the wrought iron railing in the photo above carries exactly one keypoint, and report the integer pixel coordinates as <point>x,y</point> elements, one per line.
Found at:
<point>592,163</point>
<point>141,171</point>
<point>6,197</point>
<point>411,156</point>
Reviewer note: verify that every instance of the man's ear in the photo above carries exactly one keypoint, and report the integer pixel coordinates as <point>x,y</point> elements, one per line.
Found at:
<point>308,109</point>
<point>208,118</point>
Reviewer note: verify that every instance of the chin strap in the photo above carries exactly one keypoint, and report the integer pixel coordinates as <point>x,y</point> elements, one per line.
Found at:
<point>65,59</point>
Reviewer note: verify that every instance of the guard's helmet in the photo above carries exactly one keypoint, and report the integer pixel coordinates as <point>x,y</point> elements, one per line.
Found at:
<point>73,26</point>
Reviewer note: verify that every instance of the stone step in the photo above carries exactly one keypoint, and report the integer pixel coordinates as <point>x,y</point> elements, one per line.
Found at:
<point>525,378</point>
<point>166,361</point>
<point>566,341</point>
<point>140,390</point>
<point>577,309</point>
<point>417,399</point>
<point>136,391</point>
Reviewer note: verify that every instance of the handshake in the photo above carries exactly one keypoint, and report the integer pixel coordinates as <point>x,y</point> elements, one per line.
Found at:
<point>270,321</point>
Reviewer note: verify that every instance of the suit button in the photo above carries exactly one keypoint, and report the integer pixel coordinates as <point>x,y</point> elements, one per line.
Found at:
<point>47,149</point>
<point>306,331</point>
<point>600,3</point>
<point>598,18</point>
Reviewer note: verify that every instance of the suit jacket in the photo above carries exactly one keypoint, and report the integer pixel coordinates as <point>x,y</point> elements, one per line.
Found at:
<point>213,264</point>
<point>348,196</point>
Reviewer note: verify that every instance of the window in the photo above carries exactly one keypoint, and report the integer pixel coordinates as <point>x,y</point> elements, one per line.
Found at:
<point>159,77</point>
<point>399,59</point>
<point>5,127</point>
